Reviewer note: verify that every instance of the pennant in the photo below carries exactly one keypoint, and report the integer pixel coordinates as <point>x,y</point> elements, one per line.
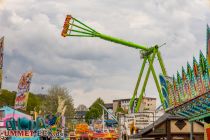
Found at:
<point>208,46</point>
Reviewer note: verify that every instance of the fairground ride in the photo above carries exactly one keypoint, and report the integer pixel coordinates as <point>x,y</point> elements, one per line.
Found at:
<point>75,28</point>
<point>186,95</point>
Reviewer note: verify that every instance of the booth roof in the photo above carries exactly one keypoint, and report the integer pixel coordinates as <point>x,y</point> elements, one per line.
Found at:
<point>9,109</point>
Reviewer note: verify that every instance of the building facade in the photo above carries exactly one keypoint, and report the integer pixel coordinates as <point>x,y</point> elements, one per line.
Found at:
<point>144,117</point>
<point>148,104</point>
<point>81,111</point>
<point>109,107</point>
<point>172,127</point>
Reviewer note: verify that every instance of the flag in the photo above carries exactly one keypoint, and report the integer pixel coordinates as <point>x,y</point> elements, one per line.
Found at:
<point>23,91</point>
<point>1,59</point>
<point>208,46</point>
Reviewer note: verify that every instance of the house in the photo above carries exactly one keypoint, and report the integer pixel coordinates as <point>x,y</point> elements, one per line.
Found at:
<point>172,127</point>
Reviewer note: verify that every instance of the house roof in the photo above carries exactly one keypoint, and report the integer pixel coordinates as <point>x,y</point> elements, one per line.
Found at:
<point>81,107</point>
<point>162,119</point>
<point>10,111</point>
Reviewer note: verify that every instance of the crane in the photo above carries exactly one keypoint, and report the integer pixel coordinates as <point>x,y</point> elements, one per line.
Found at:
<point>75,28</point>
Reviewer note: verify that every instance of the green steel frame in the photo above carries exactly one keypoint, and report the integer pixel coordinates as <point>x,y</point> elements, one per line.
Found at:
<point>74,27</point>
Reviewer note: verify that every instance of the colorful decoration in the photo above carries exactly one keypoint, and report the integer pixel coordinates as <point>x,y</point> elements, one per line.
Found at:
<point>23,91</point>
<point>25,124</point>
<point>66,25</point>
<point>50,119</point>
<point>175,90</point>
<point>83,132</point>
<point>56,121</point>
<point>11,113</point>
<point>208,45</point>
<point>192,79</point>
<point>164,91</point>
<point>188,85</point>
<point>82,128</point>
<point>93,135</point>
<point>1,59</point>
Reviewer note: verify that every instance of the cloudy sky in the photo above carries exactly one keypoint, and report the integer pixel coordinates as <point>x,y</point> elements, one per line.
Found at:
<point>91,67</point>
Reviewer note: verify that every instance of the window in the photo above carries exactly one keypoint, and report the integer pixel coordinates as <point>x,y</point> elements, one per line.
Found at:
<point>2,115</point>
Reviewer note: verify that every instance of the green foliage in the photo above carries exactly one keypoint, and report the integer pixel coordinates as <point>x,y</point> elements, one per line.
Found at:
<point>7,98</point>
<point>34,102</point>
<point>120,109</point>
<point>95,110</point>
<point>44,102</point>
<point>50,103</point>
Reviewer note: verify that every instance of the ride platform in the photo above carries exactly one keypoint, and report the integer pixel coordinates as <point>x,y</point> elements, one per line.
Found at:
<point>196,108</point>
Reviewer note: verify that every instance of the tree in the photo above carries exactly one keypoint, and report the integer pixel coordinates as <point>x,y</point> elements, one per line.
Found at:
<point>51,102</point>
<point>95,110</point>
<point>34,102</point>
<point>120,109</point>
<point>7,97</point>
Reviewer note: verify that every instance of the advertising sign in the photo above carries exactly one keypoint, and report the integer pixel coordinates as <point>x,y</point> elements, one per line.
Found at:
<point>23,91</point>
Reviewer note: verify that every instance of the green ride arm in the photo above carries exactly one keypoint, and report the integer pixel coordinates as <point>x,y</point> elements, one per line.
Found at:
<point>137,83</point>
<point>164,73</point>
<point>74,27</point>
<point>120,41</point>
<point>145,82</point>
<point>157,84</point>
<point>161,63</point>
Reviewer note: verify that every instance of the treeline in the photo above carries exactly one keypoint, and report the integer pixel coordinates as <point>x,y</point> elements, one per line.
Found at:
<point>7,98</point>
<point>41,102</point>
<point>95,111</point>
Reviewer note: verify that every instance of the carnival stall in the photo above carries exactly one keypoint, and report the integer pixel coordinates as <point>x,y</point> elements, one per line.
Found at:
<point>83,132</point>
